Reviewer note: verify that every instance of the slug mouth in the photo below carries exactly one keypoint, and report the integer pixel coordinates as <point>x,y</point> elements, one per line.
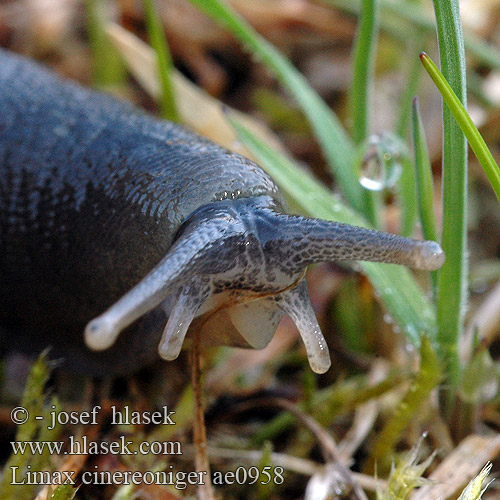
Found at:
<point>244,256</point>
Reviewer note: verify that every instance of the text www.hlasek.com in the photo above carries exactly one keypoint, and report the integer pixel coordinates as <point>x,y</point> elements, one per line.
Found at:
<point>83,446</point>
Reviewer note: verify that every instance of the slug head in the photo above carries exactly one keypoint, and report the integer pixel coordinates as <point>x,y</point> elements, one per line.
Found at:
<point>237,266</point>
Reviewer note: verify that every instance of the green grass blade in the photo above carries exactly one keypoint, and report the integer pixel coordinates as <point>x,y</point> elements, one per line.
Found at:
<point>453,274</point>
<point>410,90</point>
<point>408,194</point>
<point>373,208</point>
<point>168,108</point>
<point>335,142</point>
<point>359,97</point>
<point>108,69</point>
<point>396,286</point>
<point>363,66</point>
<point>465,122</point>
<point>423,175</point>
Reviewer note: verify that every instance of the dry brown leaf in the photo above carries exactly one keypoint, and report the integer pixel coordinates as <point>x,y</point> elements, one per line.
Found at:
<point>486,321</point>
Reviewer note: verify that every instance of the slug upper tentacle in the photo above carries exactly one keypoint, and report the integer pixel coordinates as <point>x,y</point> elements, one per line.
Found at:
<point>316,240</point>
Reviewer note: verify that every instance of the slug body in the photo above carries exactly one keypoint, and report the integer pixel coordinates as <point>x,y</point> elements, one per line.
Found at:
<point>115,220</point>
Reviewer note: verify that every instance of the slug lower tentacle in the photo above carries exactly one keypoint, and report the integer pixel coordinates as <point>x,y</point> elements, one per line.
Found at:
<point>110,214</point>
<point>295,303</point>
<point>190,300</point>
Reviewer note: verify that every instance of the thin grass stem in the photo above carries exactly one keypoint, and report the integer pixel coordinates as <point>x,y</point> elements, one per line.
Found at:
<point>424,185</point>
<point>453,275</point>
<point>364,53</point>
<point>363,66</point>
<point>168,108</point>
<point>108,69</point>
<point>205,488</point>
<point>410,90</point>
<point>408,196</point>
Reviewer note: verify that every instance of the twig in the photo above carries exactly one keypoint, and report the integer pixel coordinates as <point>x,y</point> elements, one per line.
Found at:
<point>205,489</point>
<point>364,417</point>
<point>327,443</point>
<point>291,463</point>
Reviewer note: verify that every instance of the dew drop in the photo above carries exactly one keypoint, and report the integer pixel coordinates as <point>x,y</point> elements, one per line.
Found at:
<point>388,319</point>
<point>479,286</point>
<point>371,177</point>
<point>380,162</point>
<point>411,330</point>
<point>410,348</point>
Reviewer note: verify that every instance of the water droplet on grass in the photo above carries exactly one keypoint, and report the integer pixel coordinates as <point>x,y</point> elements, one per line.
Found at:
<point>380,164</point>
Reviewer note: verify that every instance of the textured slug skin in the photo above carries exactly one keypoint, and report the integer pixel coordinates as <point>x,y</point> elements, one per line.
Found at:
<point>92,193</point>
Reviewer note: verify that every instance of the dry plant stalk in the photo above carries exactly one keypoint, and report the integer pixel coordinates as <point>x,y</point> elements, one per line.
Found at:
<point>205,489</point>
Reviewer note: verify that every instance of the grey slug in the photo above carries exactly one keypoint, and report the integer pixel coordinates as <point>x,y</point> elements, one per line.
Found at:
<point>118,232</point>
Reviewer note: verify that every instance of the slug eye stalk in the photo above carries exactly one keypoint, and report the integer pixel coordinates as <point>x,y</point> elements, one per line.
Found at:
<point>244,252</point>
